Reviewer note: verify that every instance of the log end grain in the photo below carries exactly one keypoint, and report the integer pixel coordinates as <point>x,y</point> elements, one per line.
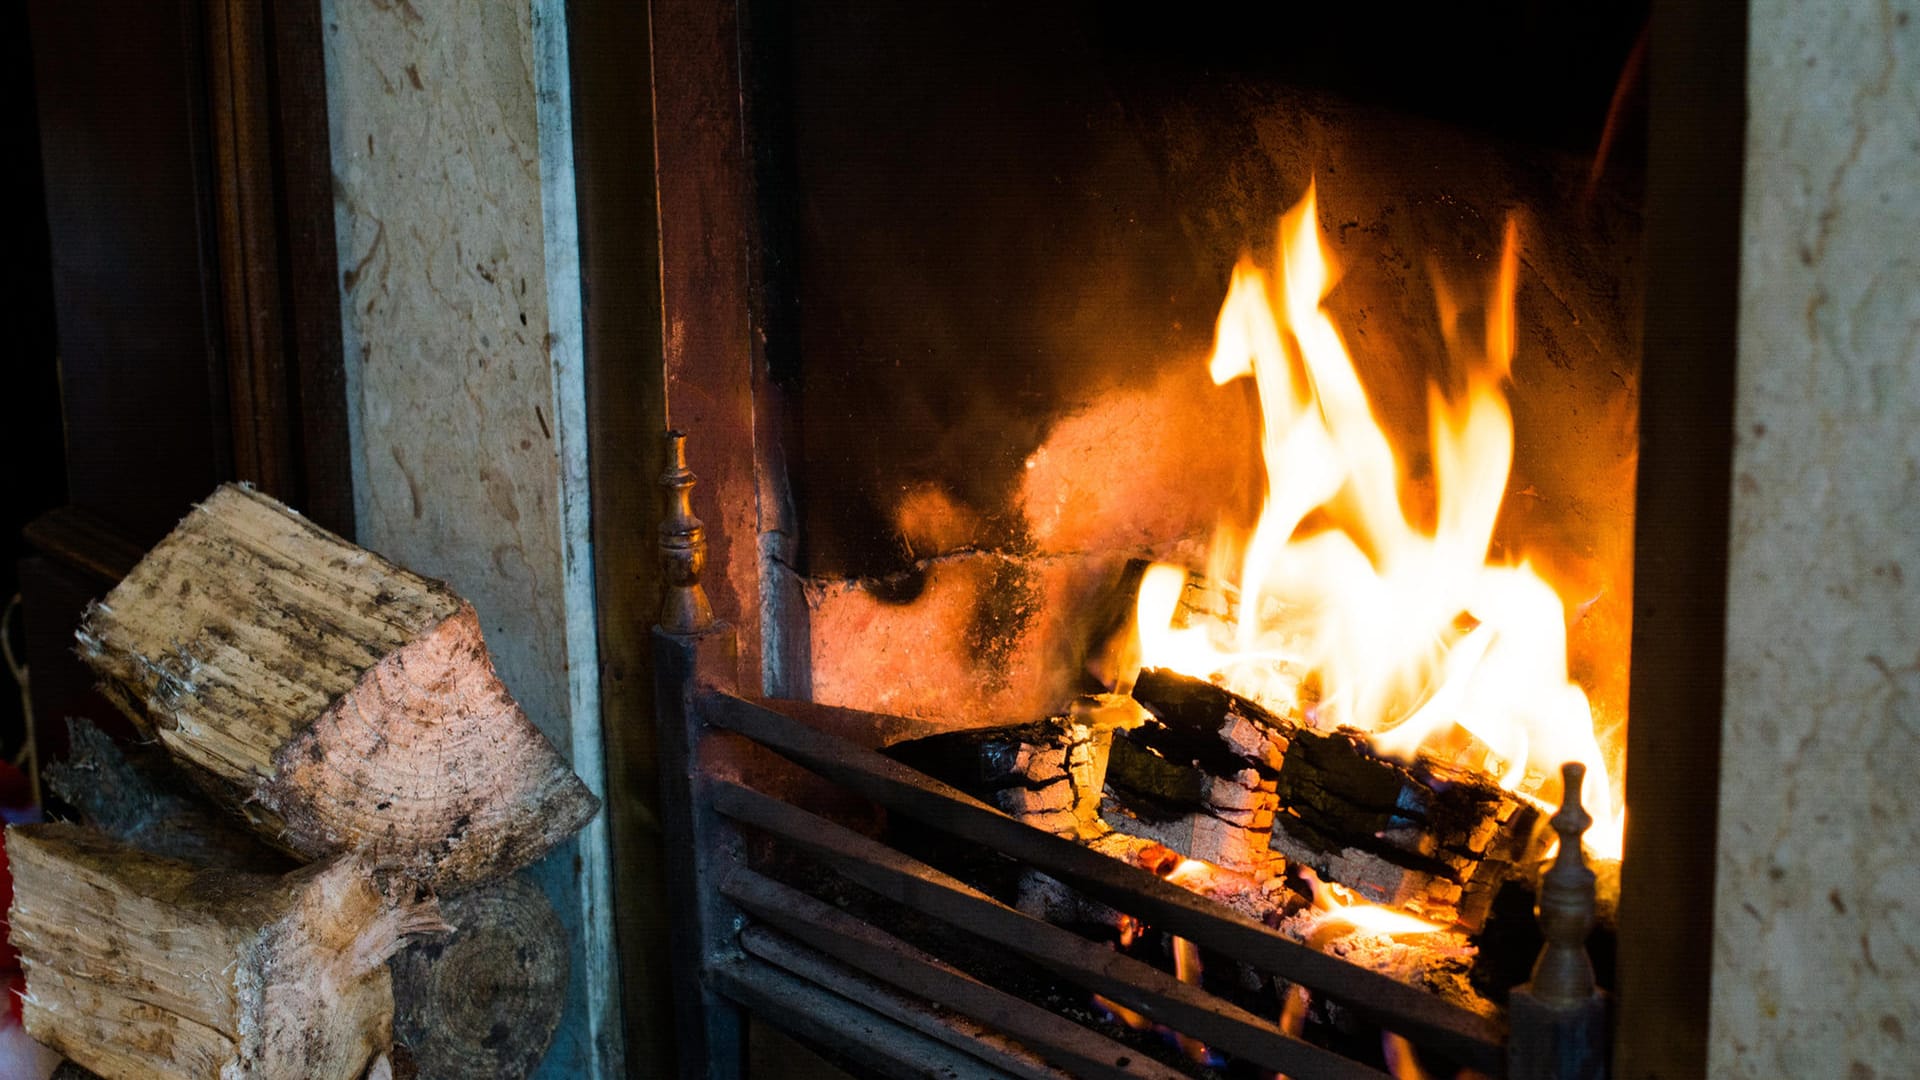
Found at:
<point>484,1002</point>
<point>431,767</point>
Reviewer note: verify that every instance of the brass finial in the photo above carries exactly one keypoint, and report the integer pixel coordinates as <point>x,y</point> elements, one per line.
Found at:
<point>683,547</point>
<point>1564,975</point>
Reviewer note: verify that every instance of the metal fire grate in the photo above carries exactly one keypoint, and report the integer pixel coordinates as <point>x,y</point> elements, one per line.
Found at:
<point>746,943</point>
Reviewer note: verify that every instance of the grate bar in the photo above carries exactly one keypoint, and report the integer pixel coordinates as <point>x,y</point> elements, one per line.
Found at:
<point>1153,992</point>
<point>879,954</point>
<point>1466,1037</point>
<point>848,1028</point>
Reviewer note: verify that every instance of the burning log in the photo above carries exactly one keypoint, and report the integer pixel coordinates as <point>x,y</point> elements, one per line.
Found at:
<point>336,700</point>
<point>1047,774</point>
<point>144,967</point>
<point>1219,778</point>
<point>1427,836</point>
<point>1214,727</point>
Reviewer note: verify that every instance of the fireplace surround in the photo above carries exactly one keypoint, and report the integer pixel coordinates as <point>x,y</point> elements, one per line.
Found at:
<point>723,384</point>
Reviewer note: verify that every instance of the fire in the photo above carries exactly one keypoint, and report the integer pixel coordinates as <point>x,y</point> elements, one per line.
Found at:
<point>1343,911</point>
<point>1411,634</point>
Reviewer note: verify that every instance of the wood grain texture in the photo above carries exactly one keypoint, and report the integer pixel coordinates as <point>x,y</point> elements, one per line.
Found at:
<point>142,967</point>
<point>136,795</point>
<point>626,401</point>
<point>338,701</point>
<point>483,1003</point>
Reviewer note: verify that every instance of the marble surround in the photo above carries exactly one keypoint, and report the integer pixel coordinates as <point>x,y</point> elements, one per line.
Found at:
<point>1817,917</point>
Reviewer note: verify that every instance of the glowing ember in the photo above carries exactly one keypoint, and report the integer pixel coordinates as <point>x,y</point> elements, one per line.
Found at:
<point>1342,907</point>
<point>1413,635</point>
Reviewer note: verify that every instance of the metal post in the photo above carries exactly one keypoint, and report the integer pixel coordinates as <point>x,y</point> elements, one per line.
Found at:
<point>1558,1019</point>
<point>693,652</point>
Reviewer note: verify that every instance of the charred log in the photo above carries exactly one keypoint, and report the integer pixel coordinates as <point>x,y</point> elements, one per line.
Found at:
<point>1048,774</point>
<point>1220,778</point>
<point>1218,730</point>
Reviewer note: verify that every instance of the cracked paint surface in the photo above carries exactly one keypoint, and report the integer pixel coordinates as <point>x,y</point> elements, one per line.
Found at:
<point>1817,914</point>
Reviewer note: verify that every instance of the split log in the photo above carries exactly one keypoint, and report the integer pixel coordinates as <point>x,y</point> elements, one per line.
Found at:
<point>392,1066</point>
<point>1426,835</point>
<point>337,700</point>
<point>484,1001</point>
<point>145,968</point>
<point>136,795</point>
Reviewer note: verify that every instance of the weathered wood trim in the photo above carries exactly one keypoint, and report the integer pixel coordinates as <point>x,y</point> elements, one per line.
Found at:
<point>1695,160</point>
<point>310,332</point>
<point>274,239</point>
<point>619,258</point>
<point>82,540</point>
<point>565,354</point>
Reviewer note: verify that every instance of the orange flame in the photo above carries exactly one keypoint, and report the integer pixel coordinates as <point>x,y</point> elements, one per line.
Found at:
<point>1416,637</point>
<point>1340,906</point>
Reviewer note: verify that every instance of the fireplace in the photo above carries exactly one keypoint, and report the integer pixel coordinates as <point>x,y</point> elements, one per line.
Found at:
<point>912,555</point>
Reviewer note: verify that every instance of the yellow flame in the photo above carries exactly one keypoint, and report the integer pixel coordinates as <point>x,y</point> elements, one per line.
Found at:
<point>1186,967</point>
<point>1402,1062</point>
<point>1341,906</point>
<point>1123,1014</point>
<point>1416,637</point>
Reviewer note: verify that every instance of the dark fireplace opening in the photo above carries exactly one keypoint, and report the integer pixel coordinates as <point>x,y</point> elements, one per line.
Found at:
<point>1038,365</point>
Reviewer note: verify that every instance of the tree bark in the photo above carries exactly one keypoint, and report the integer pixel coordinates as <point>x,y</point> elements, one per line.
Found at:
<point>137,796</point>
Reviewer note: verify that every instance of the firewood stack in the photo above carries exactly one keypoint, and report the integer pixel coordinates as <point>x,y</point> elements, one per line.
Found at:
<point>332,707</point>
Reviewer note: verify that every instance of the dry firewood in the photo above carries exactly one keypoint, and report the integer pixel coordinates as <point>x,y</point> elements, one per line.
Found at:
<point>337,700</point>
<point>136,795</point>
<point>484,1001</point>
<point>384,1067</point>
<point>145,968</point>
